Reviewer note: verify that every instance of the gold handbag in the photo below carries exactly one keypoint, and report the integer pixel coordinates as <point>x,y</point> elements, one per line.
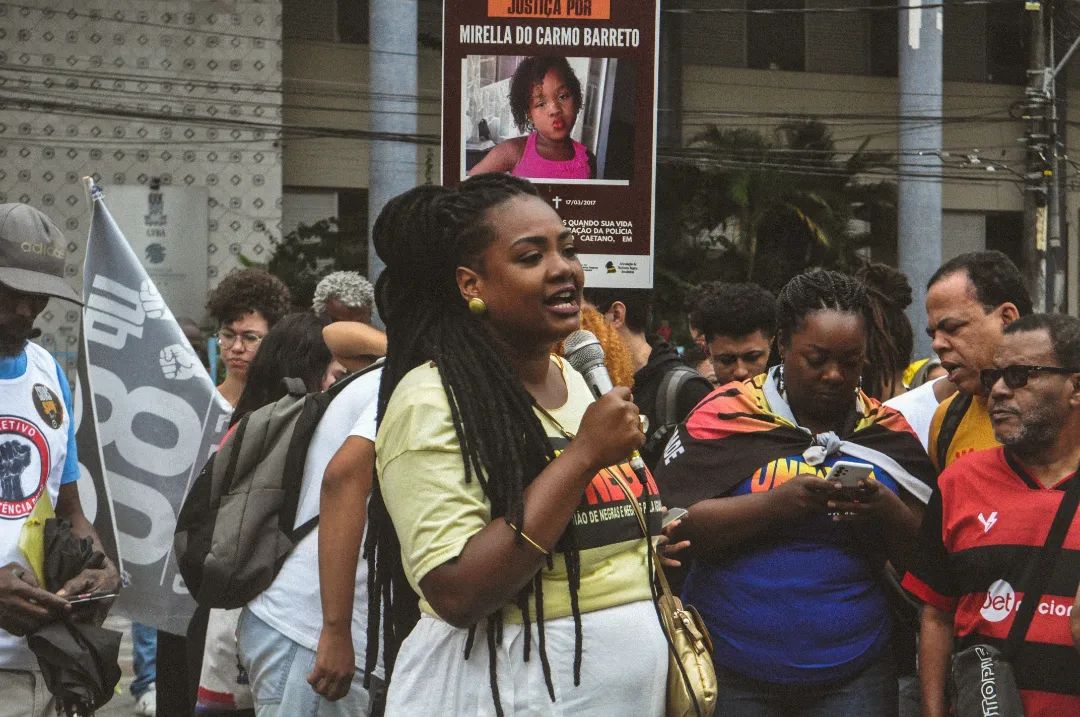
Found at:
<point>691,682</point>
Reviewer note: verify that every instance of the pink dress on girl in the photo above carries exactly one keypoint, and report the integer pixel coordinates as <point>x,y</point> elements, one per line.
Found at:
<point>533,166</point>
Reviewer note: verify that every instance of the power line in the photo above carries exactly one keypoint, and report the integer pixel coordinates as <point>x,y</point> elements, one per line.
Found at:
<point>232,86</point>
<point>833,10</point>
<point>75,109</point>
<point>140,96</point>
<point>72,13</point>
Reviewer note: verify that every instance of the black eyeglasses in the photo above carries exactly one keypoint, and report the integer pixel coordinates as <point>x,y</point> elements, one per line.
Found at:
<point>1017,375</point>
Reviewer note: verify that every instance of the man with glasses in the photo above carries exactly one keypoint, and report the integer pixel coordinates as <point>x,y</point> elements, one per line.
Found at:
<point>969,302</point>
<point>246,304</point>
<point>990,516</point>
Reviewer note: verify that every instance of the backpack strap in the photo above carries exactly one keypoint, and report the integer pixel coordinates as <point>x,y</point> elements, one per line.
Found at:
<point>954,414</point>
<point>315,406</point>
<point>294,386</point>
<point>666,413</point>
<point>1045,565</point>
<point>304,530</point>
<point>670,385</point>
<point>235,443</point>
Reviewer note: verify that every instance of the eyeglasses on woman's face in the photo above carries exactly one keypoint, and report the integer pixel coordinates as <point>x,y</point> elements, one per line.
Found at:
<point>249,340</point>
<point>1017,375</point>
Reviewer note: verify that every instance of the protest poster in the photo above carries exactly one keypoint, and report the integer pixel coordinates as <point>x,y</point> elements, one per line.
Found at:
<point>580,122</point>
<point>158,417</point>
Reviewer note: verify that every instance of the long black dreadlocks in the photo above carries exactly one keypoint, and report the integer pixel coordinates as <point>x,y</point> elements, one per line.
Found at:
<point>890,340</point>
<point>423,235</point>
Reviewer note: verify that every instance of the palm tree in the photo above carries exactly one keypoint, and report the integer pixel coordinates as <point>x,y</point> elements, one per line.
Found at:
<point>762,210</point>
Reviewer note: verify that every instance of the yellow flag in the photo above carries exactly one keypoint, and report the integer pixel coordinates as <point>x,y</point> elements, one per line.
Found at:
<point>32,536</point>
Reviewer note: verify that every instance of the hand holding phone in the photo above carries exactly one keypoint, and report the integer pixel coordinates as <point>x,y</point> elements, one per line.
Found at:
<point>672,515</point>
<point>849,474</point>
<point>84,598</point>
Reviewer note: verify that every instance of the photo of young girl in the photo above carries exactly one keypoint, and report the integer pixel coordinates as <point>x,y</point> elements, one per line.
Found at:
<point>545,98</point>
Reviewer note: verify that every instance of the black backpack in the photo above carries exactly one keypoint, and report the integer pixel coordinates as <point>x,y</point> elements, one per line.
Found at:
<point>235,527</point>
<point>666,416</point>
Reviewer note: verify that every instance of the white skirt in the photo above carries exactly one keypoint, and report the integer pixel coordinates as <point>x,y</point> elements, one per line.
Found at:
<point>623,668</point>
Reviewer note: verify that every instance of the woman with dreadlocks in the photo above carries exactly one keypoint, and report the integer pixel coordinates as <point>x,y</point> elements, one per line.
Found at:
<point>786,570</point>
<point>496,469</point>
<point>890,341</point>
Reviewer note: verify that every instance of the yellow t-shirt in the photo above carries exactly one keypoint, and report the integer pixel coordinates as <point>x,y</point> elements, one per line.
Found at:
<point>435,512</point>
<point>974,432</point>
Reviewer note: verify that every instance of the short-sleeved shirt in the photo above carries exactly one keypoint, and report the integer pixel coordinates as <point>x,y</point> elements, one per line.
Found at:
<point>982,532</point>
<point>351,413</point>
<point>37,456</point>
<point>435,512</point>
<point>918,406</point>
<point>802,605</point>
<point>973,433</point>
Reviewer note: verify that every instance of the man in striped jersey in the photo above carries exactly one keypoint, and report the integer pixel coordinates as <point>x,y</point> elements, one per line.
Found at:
<point>989,518</point>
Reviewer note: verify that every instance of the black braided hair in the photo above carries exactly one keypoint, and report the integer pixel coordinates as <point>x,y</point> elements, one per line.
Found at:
<point>818,290</point>
<point>423,235</point>
<point>890,340</point>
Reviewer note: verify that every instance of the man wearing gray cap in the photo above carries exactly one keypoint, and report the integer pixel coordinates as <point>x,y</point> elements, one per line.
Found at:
<point>37,454</point>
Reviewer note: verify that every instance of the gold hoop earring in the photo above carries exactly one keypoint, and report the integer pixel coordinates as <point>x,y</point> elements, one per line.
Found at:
<point>477,306</point>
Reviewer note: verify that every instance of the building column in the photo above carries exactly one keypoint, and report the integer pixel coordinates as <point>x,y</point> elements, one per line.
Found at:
<point>393,166</point>
<point>919,145</point>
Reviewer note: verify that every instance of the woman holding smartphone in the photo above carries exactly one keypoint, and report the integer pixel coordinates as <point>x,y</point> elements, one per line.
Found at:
<point>786,565</point>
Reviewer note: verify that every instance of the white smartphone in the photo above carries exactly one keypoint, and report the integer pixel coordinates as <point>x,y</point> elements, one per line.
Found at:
<point>849,473</point>
<point>672,515</point>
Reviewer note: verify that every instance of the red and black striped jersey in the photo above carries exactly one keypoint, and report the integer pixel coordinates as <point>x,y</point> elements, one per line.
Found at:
<point>983,529</point>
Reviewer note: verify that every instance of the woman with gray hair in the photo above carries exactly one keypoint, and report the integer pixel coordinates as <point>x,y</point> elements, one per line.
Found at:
<point>344,296</point>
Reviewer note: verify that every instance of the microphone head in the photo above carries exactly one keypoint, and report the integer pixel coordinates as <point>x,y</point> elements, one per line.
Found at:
<point>583,350</point>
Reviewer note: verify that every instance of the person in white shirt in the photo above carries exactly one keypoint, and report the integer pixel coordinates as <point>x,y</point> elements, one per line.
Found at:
<point>302,640</point>
<point>38,459</point>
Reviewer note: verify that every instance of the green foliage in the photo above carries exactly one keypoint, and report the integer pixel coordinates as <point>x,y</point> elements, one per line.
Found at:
<point>738,206</point>
<point>308,253</point>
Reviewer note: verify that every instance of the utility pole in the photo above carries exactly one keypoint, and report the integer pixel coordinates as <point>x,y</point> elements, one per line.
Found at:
<point>1039,172</point>
<point>919,186</point>
<point>1057,232</point>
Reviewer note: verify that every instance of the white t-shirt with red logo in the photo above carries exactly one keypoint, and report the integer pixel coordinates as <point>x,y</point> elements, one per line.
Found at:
<point>36,456</point>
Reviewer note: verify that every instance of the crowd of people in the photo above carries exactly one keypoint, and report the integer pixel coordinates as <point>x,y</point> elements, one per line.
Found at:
<point>478,549</point>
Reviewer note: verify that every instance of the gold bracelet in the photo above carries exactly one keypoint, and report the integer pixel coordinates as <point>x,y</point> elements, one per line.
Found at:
<point>529,540</point>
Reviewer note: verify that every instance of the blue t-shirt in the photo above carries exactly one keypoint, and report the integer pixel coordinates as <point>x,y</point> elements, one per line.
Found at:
<point>801,605</point>
<point>14,367</point>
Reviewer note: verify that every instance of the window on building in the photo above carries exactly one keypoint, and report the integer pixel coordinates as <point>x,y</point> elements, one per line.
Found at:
<point>343,246</point>
<point>353,228</point>
<point>776,42</point>
<point>884,51</point>
<point>1007,43</point>
<point>1005,233</point>
<point>325,20</point>
<point>352,21</point>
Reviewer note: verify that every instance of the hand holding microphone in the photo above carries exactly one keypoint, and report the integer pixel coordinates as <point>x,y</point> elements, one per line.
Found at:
<point>610,430</point>
<point>612,424</point>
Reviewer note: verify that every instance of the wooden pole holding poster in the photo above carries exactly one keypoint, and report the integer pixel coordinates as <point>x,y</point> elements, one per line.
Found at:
<point>582,125</point>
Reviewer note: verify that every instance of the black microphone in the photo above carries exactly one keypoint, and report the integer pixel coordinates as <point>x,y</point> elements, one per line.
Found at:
<point>35,332</point>
<point>584,352</point>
